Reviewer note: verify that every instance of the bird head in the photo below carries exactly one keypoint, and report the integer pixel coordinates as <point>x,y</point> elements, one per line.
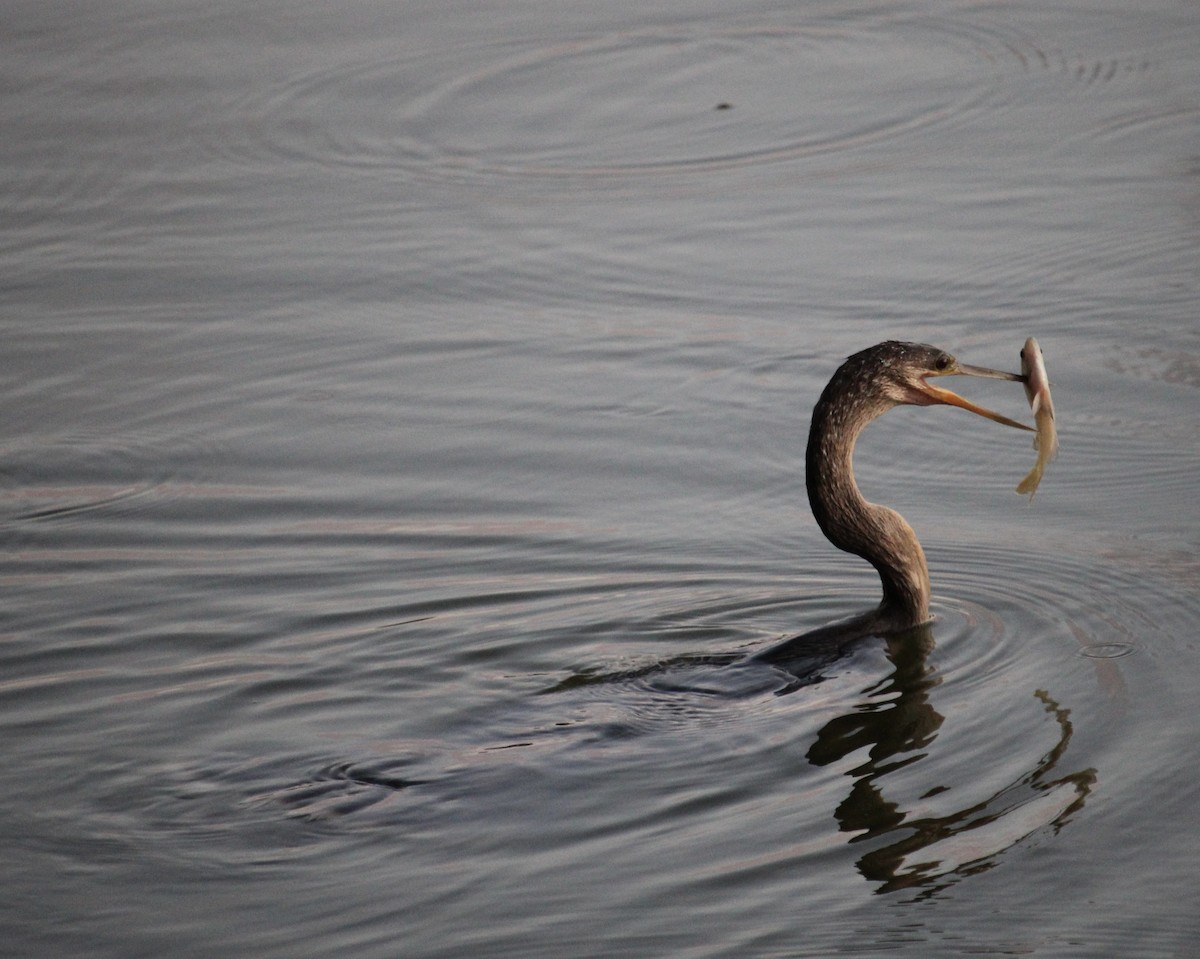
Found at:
<point>905,369</point>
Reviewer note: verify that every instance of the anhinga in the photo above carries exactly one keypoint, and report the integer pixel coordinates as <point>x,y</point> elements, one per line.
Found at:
<point>865,387</point>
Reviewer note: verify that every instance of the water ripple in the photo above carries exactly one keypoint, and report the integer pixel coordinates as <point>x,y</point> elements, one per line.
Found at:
<point>646,102</point>
<point>64,477</point>
<point>76,474</point>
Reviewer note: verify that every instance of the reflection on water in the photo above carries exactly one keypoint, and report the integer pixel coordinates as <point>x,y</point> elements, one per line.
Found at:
<point>401,467</point>
<point>896,726</point>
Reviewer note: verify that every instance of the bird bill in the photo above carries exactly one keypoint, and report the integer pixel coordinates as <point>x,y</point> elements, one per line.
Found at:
<point>1037,391</point>
<point>938,395</point>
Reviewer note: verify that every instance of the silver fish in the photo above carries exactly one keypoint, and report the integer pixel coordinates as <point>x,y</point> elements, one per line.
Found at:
<point>1037,390</point>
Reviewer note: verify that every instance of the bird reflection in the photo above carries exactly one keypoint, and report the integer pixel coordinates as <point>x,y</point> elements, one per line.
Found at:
<point>894,727</point>
<point>899,719</point>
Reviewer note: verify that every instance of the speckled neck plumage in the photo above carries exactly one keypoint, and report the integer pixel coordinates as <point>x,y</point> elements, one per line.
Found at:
<point>879,535</point>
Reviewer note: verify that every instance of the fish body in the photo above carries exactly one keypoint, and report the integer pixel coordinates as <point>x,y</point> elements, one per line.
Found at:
<point>1037,391</point>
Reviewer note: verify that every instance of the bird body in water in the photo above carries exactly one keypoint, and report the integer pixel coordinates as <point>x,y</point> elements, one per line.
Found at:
<point>865,387</point>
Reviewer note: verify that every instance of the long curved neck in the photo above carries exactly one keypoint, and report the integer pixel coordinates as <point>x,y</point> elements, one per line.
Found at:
<point>877,534</point>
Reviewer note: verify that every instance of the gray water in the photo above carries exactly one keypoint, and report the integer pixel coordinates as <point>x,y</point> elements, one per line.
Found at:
<point>404,412</point>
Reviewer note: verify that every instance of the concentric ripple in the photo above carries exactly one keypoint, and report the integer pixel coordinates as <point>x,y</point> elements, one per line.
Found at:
<point>1124,598</point>
<point>654,101</point>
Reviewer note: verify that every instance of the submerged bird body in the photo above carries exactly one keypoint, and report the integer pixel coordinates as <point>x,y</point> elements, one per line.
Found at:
<point>865,387</point>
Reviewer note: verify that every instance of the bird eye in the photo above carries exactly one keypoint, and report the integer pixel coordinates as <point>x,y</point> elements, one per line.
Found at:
<point>942,362</point>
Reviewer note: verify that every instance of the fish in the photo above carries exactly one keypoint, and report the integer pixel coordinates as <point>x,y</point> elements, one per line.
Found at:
<point>1037,391</point>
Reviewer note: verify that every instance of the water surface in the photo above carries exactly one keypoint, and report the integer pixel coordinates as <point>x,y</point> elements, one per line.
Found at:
<point>404,420</point>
